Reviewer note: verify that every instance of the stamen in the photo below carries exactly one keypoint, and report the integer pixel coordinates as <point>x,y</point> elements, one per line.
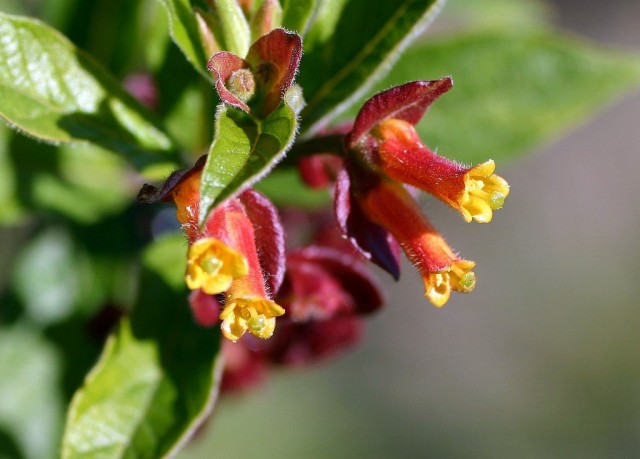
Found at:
<point>438,289</point>
<point>466,280</point>
<point>496,201</point>
<point>257,323</point>
<point>211,264</point>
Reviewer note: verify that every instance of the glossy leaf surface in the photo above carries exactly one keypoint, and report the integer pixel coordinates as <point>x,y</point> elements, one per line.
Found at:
<point>51,90</point>
<point>349,46</point>
<point>157,377</point>
<point>244,150</point>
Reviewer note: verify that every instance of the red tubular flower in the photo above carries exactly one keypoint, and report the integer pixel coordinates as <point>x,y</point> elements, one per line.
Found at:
<point>383,135</point>
<point>374,210</point>
<point>474,191</point>
<point>388,204</point>
<point>247,306</point>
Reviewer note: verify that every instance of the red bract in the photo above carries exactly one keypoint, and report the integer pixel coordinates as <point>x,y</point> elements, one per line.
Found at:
<point>257,84</point>
<point>407,102</point>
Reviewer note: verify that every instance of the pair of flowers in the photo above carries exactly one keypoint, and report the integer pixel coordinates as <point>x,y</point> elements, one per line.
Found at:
<point>380,152</point>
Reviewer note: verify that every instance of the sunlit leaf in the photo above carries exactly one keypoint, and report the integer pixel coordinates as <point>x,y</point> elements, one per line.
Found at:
<point>512,89</point>
<point>244,150</point>
<point>183,27</point>
<point>51,90</point>
<point>157,377</point>
<point>350,45</point>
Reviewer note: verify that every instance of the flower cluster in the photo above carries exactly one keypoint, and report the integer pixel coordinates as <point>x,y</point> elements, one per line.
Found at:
<point>238,267</point>
<point>223,257</point>
<point>236,271</point>
<point>374,210</point>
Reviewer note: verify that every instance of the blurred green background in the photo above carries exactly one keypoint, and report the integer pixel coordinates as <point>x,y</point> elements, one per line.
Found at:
<point>540,361</point>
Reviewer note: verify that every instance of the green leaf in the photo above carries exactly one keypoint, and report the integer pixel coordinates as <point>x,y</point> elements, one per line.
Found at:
<point>244,150</point>
<point>156,379</point>
<point>183,27</point>
<point>513,89</point>
<point>31,405</point>
<point>351,45</point>
<point>51,90</point>
<point>296,14</point>
<point>81,182</point>
<point>11,211</point>
<point>235,28</point>
<point>49,295</point>
<point>497,12</point>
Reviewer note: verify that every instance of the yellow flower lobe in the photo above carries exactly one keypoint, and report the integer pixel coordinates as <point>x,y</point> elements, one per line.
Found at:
<point>458,277</point>
<point>256,315</point>
<point>212,266</point>
<point>484,192</point>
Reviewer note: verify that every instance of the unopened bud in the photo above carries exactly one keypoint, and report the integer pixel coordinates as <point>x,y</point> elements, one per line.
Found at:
<point>267,18</point>
<point>242,84</point>
<point>205,30</point>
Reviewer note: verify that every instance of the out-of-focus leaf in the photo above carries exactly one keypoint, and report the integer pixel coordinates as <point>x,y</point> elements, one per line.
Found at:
<point>157,377</point>
<point>511,13</point>
<point>49,294</point>
<point>244,150</point>
<point>30,406</point>
<point>81,182</point>
<point>184,31</point>
<point>61,272</point>
<point>512,89</point>
<point>285,189</point>
<point>51,90</point>
<point>350,45</point>
<point>296,14</point>
<point>10,209</point>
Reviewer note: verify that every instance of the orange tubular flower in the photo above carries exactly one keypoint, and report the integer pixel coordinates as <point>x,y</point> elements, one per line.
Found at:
<point>474,191</point>
<point>212,263</point>
<point>388,204</point>
<point>223,255</point>
<point>248,307</point>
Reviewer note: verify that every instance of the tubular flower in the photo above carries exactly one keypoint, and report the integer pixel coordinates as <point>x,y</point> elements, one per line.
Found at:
<point>247,306</point>
<point>388,204</point>
<point>474,191</point>
<point>239,252</point>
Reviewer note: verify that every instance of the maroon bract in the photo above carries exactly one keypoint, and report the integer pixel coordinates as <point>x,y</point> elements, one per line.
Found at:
<point>373,241</point>
<point>407,102</point>
<point>257,84</point>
